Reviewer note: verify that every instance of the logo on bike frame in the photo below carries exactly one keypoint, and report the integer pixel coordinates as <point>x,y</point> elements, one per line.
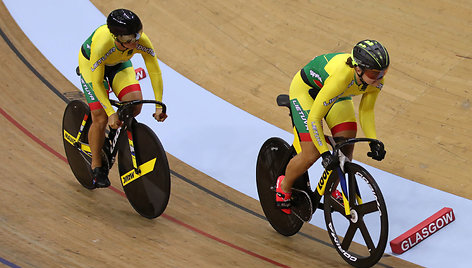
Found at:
<point>132,175</point>
<point>322,184</point>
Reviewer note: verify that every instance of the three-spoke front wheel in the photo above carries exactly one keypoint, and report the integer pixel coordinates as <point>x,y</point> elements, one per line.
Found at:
<point>366,222</point>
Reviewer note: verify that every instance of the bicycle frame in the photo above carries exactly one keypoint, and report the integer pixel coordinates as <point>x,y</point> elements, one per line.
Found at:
<point>75,141</point>
<point>83,147</point>
<point>319,191</point>
<point>111,141</point>
<point>138,169</point>
<point>321,187</point>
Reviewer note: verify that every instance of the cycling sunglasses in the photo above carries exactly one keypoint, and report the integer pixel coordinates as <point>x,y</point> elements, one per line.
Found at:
<point>126,39</point>
<point>375,74</point>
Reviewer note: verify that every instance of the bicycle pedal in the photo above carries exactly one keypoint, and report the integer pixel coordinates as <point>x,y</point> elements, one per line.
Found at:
<point>301,205</point>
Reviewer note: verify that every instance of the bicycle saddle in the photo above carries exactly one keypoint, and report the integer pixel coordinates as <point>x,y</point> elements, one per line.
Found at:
<point>283,100</point>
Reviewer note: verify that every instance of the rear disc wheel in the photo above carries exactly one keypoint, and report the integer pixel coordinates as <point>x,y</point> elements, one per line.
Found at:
<point>269,162</point>
<point>79,162</point>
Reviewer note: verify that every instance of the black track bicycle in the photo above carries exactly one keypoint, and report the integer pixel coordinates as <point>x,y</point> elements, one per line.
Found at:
<point>357,225</point>
<point>142,161</point>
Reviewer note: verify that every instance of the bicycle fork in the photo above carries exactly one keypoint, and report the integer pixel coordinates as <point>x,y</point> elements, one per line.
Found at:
<point>133,153</point>
<point>321,187</point>
<point>138,169</point>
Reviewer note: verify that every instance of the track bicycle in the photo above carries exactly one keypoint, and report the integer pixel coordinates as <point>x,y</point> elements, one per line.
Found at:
<point>142,161</point>
<point>361,215</point>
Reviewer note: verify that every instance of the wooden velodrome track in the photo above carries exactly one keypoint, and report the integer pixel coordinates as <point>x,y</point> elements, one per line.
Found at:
<point>245,52</point>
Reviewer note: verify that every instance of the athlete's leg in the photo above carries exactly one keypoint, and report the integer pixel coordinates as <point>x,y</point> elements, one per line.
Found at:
<point>135,95</point>
<point>342,122</point>
<point>347,149</point>
<point>300,164</point>
<point>126,87</point>
<point>96,138</point>
<point>96,135</point>
<point>307,154</point>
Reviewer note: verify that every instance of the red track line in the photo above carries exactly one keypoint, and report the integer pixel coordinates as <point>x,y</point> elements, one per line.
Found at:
<point>33,137</point>
<point>58,155</point>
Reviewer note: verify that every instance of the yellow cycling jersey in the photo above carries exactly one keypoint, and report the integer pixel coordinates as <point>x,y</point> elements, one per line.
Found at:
<point>333,80</point>
<point>100,50</point>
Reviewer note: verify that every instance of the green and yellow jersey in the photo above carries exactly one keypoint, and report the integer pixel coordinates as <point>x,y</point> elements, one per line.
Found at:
<point>100,51</point>
<point>324,81</point>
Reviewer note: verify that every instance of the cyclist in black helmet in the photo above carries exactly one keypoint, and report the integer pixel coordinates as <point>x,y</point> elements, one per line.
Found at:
<point>324,89</point>
<point>105,66</point>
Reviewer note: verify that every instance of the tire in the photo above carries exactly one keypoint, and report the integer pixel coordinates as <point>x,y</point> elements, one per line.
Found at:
<point>368,223</point>
<point>148,194</point>
<point>269,164</point>
<point>78,161</point>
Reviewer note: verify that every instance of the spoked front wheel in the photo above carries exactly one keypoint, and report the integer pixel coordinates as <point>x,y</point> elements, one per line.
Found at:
<point>367,222</point>
<point>270,160</point>
<point>148,188</point>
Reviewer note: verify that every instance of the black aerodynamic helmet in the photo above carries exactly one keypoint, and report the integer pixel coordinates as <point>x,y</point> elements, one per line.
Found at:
<point>124,22</point>
<point>370,54</point>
